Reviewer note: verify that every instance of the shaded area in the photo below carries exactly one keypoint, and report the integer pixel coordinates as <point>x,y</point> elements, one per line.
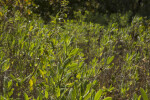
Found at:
<point>96,7</point>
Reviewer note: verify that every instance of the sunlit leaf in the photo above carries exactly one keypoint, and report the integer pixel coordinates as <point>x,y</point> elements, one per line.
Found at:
<point>78,76</point>
<point>5,68</point>
<point>101,54</point>
<point>98,95</point>
<point>73,52</point>
<point>31,27</point>
<point>46,94</point>
<point>1,14</point>
<point>143,93</point>
<point>108,98</point>
<point>42,72</point>
<point>31,84</point>
<point>58,92</point>
<point>110,59</point>
<point>9,83</point>
<point>40,97</point>
<point>66,62</point>
<point>87,96</point>
<point>26,96</point>
<point>135,97</point>
<point>88,87</point>
<point>139,98</point>
<point>11,92</point>
<point>70,84</point>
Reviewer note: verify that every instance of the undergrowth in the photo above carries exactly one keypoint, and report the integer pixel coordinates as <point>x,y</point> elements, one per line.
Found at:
<point>73,60</point>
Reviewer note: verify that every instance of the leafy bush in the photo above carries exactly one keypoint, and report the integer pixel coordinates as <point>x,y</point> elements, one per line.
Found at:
<point>42,62</point>
<point>73,59</point>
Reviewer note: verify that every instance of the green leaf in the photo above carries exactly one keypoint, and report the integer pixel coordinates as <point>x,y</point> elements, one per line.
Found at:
<point>87,96</point>
<point>110,59</point>
<point>139,98</point>
<point>9,83</point>
<point>2,98</point>
<point>11,92</point>
<point>94,82</point>
<point>70,84</point>
<point>64,92</point>
<point>127,57</point>
<point>46,94</point>
<point>26,96</point>
<point>88,88</point>
<point>111,88</point>
<point>98,95</point>
<point>135,96</point>
<point>58,92</point>
<point>108,98</point>
<point>40,97</point>
<point>143,93</point>
<point>73,52</point>
<point>72,94</point>
<point>31,27</point>
<point>5,68</point>
<point>78,76</point>
<point>66,62</point>
<point>31,84</point>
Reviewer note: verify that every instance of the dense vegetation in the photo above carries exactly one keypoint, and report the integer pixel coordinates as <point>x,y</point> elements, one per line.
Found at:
<point>65,50</point>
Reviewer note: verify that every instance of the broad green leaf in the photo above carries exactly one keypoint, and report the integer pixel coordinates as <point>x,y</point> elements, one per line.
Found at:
<point>1,14</point>
<point>11,92</point>
<point>40,97</point>
<point>5,68</point>
<point>42,73</point>
<point>26,96</point>
<point>111,88</point>
<point>110,59</point>
<point>72,94</point>
<point>64,92</point>
<point>73,52</point>
<point>135,96</point>
<point>12,77</point>
<point>94,82</point>
<point>58,92</point>
<point>101,54</point>
<point>98,95</point>
<point>139,98</point>
<point>78,76</point>
<point>46,94</point>
<point>66,62</point>
<point>70,84</point>
<point>9,83</point>
<point>31,84</point>
<point>143,93</point>
<point>81,98</point>
<point>80,64</point>
<point>88,88</point>
<point>75,92</point>
<point>31,27</point>
<point>108,98</point>
<point>2,98</point>
<point>87,96</point>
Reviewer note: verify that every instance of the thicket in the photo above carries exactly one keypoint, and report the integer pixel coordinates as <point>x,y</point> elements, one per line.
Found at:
<point>72,59</point>
<point>96,7</point>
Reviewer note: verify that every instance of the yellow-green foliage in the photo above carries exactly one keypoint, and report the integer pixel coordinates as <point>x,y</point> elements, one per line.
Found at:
<point>72,60</point>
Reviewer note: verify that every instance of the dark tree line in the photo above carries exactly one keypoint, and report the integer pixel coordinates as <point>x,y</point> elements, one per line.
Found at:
<point>52,7</point>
